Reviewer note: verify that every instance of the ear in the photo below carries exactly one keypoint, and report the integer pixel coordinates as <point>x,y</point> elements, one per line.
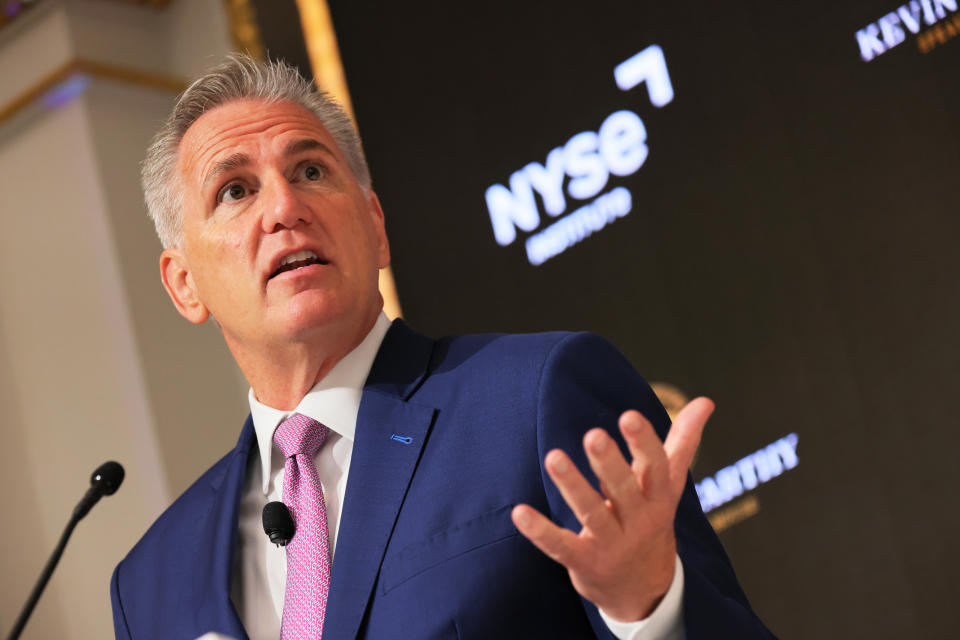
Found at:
<point>180,286</point>
<point>383,245</point>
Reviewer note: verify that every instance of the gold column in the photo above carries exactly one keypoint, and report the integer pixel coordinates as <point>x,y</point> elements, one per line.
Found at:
<point>244,29</point>
<point>321,40</point>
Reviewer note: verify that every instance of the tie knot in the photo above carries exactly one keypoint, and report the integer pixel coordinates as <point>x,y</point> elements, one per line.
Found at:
<point>300,434</point>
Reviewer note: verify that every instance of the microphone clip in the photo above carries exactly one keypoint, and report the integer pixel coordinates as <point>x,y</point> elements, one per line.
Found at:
<point>278,523</point>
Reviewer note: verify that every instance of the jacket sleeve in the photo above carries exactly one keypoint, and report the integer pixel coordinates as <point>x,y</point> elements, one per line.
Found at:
<point>587,383</point>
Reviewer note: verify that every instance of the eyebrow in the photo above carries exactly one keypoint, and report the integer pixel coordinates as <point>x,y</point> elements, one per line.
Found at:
<point>238,160</point>
<point>229,163</point>
<point>307,144</point>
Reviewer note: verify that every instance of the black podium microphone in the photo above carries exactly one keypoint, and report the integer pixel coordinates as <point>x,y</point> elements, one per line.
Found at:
<point>104,482</point>
<point>278,523</point>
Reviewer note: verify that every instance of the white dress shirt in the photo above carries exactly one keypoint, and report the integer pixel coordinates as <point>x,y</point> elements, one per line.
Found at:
<point>260,567</point>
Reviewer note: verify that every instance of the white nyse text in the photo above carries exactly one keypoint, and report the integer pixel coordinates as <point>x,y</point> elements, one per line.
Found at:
<point>580,169</point>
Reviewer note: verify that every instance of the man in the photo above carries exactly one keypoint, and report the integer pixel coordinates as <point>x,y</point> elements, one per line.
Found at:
<point>453,448</point>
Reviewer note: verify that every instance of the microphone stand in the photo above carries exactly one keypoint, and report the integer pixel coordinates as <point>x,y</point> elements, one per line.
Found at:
<point>44,577</point>
<point>104,481</point>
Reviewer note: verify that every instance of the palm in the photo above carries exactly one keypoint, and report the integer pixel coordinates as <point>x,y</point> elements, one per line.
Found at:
<point>623,558</point>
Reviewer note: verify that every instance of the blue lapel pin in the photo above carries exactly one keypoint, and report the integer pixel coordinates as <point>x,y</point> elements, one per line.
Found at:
<point>403,439</point>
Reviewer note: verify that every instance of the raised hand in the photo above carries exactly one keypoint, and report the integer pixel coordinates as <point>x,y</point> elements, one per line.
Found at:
<point>622,559</point>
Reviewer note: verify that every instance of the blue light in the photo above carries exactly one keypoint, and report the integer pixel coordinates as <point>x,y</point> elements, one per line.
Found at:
<point>66,91</point>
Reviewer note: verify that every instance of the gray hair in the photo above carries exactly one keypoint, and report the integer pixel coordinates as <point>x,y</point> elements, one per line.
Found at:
<point>240,76</point>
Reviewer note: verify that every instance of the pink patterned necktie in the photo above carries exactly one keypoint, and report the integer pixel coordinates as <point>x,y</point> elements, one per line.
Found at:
<point>308,553</point>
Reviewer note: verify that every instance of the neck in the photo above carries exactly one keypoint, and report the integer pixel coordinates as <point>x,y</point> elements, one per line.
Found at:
<point>282,374</point>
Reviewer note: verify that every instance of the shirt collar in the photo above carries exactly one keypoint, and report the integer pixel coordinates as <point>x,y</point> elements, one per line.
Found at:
<point>334,400</point>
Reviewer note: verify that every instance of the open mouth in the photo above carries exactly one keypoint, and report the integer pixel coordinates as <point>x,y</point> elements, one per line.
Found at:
<point>296,261</point>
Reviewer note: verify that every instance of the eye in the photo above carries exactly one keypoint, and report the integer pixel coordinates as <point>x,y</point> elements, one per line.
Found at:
<point>232,193</point>
<point>312,172</point>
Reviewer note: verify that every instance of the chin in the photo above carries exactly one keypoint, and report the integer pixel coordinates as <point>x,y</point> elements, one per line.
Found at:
<point>308,314</point>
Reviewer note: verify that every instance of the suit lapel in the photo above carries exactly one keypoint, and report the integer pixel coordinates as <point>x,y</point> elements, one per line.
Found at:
<point>216,540</point>
<point>390,435</point>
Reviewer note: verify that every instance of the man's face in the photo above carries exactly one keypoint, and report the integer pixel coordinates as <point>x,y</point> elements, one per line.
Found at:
<point>265,185</point>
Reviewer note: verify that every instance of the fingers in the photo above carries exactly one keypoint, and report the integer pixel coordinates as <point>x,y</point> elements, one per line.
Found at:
<point>558,543</point>
<point>684,438</point>
<point>617,479</point>
<point>658,472</point>
<point>587,505</point>
<point>649,460</point>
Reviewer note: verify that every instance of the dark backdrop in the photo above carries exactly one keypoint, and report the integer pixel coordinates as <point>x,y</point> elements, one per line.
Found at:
<point>789,252</point>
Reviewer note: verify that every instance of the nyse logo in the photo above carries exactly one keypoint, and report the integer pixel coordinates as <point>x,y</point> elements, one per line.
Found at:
<point>579,169</point>
<point>891,30</point>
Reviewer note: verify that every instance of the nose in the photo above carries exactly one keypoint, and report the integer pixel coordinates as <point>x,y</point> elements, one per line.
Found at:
<point>283,208</point>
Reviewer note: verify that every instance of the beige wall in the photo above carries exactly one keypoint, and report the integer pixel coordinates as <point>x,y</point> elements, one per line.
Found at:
<point>94,362</point>
<point>196,393</point>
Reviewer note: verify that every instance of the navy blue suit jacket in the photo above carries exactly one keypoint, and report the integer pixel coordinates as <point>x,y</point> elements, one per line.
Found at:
<point>426,547</point>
